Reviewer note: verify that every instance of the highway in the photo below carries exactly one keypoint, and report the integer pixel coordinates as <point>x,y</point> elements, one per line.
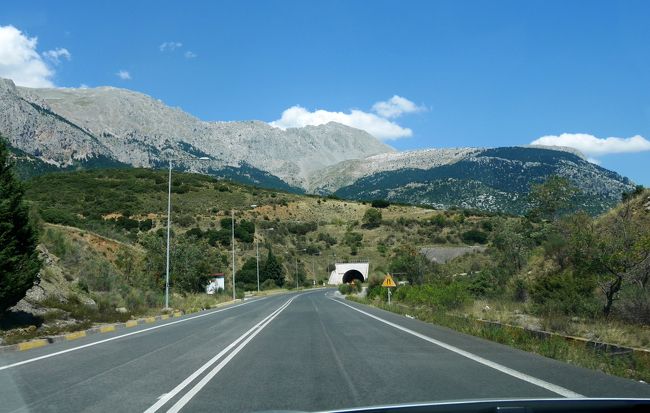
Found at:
<point>300,351</point>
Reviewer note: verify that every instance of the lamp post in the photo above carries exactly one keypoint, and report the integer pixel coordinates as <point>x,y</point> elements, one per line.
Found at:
<point>296,257</point>
<point>169,222</point>
<point>232,222</point>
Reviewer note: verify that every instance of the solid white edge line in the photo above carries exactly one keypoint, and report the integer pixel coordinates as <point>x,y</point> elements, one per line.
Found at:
<point>162,400</point>
<point>206,379</point>
<point>95,343</point>
<point>499,367</point>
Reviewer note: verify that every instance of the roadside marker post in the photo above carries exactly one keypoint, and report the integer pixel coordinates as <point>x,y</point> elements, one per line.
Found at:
<point>388,283</point>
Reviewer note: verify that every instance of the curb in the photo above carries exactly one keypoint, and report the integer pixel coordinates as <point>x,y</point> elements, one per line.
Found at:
<point>106,328</point>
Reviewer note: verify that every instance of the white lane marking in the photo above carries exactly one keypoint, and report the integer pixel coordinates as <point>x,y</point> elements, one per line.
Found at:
<point>259,326</point>
<point>507,370</point>
<point>190,394</point>
<point>95,343</point>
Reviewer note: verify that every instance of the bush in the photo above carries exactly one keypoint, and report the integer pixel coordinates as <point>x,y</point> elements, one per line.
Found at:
<point>439,221</point>
<point>185,220</point>
<point>146,225</point>
<point>372,218</point>
<point>301,228</point>
<point>474,236</point>
<point>488,283</point>
<point>58,216</point>
<point>380,203</point>
<point>268,285</point>
<point>352,288</point>
<point>439,295</point>
<point>564,293</point>
<point>327,238</point>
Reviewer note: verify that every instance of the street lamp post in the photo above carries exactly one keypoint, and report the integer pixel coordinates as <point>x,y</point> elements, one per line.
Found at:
<point>296,257</point>
<point>169,216</point>
<point>232,222</point>
<point>257,262</point>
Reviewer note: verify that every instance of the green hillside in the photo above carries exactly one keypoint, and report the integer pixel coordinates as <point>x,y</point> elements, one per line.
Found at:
<point>497,179</point>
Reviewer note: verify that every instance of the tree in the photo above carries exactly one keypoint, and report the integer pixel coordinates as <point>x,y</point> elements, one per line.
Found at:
<point>407,262</point>
<point>248,274</point>
<point>620,253</point>
<point>19,262</point>
<point>272,270</point>
<point>380,203</point>
<point>353,240</point>
<point>474,236</point>
<point>372,218</point>
<point>551,198</point>
<point>191,262</point>
<point>512,243</point>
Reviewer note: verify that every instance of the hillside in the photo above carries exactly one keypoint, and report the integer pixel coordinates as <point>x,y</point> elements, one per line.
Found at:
<point>496,179</point>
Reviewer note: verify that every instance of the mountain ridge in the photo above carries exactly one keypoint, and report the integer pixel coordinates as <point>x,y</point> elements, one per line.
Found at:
<point>69,128</point>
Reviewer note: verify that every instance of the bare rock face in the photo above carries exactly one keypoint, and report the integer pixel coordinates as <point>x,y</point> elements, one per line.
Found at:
<point>62,125</point>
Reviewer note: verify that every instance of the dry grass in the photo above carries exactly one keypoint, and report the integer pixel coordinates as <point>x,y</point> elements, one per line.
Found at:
<point>606,331</point>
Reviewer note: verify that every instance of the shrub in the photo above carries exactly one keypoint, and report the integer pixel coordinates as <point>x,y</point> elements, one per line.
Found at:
<point>352,288</point>
<point>268,285</point>
<point>474,236</point>
<point>372,218</point>
<point>58,216</point>
<point>439,295</point>
<point>301,228</point>
<point>327,238</point>
<point>439,221</point>
<point>185,220</point>
<point>380,203</point>
<point>146,225</point>
<point>564,293</point>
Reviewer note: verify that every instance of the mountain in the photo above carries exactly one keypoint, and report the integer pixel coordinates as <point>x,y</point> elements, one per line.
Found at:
<point>64,129</point>
<point>495,179</point>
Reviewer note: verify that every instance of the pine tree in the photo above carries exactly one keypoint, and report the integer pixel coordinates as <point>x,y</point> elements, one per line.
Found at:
<point>272,270</point>
<point>19,262</point>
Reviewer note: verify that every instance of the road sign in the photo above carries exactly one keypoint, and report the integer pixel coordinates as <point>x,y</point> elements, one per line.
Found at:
<point>388,281</point>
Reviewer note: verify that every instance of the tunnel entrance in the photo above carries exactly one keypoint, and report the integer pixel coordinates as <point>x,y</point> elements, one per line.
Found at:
<point>352,275</point>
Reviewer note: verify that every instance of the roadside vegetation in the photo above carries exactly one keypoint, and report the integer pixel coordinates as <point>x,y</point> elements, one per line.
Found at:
<point>552,270</point>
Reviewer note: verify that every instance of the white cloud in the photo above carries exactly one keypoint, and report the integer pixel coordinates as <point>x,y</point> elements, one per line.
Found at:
<point>396,107</point>
<point>170,46</point>
<point>56,55</point>
<point>593,146</point>
<point>123,74</point>
<point>381,128</point>
<point>190,54</point>
<point>19,60</point>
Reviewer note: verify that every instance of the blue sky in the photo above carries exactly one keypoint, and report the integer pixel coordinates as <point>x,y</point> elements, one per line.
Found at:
<point>474,73</point>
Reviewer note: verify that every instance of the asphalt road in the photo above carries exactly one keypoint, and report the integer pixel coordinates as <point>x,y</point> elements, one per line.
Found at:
<point>304,351</point>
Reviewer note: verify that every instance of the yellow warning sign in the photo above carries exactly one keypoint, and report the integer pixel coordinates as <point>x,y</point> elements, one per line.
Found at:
<point>388,281</point>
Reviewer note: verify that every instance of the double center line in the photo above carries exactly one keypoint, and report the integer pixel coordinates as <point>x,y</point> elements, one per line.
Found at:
<point>236,346</point>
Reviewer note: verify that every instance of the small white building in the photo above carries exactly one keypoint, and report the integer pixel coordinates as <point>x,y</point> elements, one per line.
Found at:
<point>345,272</point>
<point>217,281</point>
